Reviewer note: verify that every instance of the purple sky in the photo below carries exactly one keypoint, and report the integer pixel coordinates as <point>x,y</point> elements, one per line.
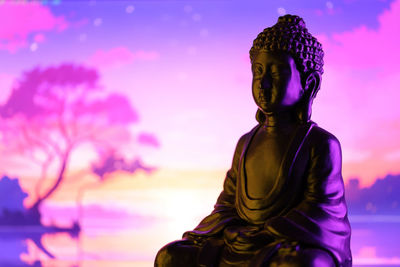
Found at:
<point>184,65</point>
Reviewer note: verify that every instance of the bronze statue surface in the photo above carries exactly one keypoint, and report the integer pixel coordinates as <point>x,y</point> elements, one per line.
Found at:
<point>283,198</point>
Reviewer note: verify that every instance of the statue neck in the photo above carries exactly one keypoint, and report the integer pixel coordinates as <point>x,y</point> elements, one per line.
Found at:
<point>280,120</point>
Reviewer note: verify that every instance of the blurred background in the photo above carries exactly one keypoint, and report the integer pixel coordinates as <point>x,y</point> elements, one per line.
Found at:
<point>119,119</point>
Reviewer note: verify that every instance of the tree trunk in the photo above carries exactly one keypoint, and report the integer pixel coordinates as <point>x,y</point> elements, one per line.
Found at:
<point>57,183</point>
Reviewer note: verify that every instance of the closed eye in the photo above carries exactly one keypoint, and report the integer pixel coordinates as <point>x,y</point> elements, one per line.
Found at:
<point>275,74</point>
<point>279,70</point>
<point>257,70</point>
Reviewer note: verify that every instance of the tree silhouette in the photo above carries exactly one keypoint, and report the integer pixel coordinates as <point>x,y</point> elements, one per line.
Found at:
<point>382,197</point>
<point>109,162</point>
<point>11,195</point>
<point>52,111</point>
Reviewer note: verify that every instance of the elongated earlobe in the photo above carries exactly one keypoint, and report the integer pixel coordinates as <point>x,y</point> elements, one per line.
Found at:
<point>260,116</point>
<point>311,86</point>
<point>304,108</point>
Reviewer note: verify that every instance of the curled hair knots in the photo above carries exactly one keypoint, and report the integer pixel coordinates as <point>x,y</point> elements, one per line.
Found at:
<point>290,35</point>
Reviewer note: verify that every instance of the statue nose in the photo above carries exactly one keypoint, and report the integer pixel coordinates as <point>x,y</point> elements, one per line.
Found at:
<point>266,82</point>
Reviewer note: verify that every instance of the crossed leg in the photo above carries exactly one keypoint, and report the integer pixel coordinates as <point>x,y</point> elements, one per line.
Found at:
<point>307,257</point>
<point>184,253</point>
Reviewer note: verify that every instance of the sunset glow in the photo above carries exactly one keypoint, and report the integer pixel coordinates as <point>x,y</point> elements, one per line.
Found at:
<point>153,97</point>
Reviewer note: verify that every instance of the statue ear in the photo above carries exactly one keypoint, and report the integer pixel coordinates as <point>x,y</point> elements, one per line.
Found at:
<point>260,117</point>
<point>311,85</point>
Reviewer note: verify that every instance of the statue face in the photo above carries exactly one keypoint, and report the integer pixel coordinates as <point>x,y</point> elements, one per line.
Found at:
<point>276,82</point>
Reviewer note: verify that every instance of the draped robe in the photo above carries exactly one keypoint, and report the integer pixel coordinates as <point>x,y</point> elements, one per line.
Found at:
<point>305,205</point>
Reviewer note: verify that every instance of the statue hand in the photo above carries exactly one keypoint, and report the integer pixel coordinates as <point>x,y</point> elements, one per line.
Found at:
<point>253,237</point>
<point>248,238</point>
<point>195,239</point>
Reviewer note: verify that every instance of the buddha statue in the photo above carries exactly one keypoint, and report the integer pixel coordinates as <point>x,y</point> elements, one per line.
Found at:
<point>283,201</point>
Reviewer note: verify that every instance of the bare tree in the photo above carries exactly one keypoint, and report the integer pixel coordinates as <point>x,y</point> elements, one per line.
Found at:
<point>52,111</point>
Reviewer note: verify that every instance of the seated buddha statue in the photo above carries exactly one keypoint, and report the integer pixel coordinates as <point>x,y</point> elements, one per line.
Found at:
<point>283,201</point>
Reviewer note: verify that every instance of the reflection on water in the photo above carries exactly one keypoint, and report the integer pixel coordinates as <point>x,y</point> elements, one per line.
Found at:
<point>376,242</point>
<point>373,243</point>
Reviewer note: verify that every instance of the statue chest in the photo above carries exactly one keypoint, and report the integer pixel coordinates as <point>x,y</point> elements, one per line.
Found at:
<point>263,161</point>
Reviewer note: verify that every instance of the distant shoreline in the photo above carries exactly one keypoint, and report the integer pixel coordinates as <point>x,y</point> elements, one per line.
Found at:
<point>374,218</point>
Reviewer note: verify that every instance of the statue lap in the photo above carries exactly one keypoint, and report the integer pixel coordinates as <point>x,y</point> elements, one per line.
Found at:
<point>185,253</point>
<point>178,253</point>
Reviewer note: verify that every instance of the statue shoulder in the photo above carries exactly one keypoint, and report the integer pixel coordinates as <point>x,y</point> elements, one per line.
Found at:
<point>321,139</point>
<point>242,140</point>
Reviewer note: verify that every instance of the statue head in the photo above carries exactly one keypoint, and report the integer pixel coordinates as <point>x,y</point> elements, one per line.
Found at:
<point>282,56</point>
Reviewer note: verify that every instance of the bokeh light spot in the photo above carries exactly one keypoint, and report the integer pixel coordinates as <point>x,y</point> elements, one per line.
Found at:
<point>281,11</point>
<point>130,9</point>
<point>97,22</point>
<point>33,47</point>
<point>329,5</point>
<point>196,17</point>
<point>82,37</point>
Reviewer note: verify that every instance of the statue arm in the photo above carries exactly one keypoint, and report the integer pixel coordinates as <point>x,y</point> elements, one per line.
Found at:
<point>320,219</point>
<point>224,212</point>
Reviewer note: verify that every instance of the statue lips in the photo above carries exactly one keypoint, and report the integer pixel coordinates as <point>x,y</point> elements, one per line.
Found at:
<point>264,96</point>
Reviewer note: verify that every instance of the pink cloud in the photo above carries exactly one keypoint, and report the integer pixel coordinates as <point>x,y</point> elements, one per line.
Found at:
<point>148,139</point>
<point>359,96</point>
<point>39,38</point>
<point>6,82</point>
<point>120,56</point>
<point>24,19</point>
<point>365,48</point>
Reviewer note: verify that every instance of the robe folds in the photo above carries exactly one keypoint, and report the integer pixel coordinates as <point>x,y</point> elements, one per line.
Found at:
<point>306,204</point>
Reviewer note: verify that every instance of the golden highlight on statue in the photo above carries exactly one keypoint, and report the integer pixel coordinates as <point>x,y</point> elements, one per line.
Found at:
<point>283,199</point>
